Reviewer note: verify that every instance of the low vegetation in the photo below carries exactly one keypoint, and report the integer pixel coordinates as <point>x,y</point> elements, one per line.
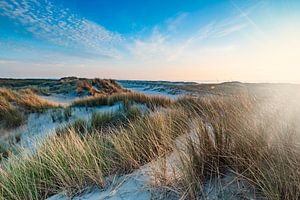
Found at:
<point>151,101</point>
<point>25,99</point>
<point>97,86</point>
<point>102,122</point>
<point>66,85</point>
<point>256,139</point>
<point>72,162</point>
<point>9,116</point>
<point>14,105</point>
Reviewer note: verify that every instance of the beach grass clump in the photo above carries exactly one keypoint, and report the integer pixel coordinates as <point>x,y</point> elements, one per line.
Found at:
<point>68,163</point>
<point>26,99</point>
<point>103,121</point>
<point>149,137</point>
<point>10,117</point>
<point>71,162</point>
<point>98,86</point>
<point>100,121</point>
<point>14,105</point>
<point>32,103</point>
<point>108,120</point>
<point>150,101</point>
<point>79,126</point>
<point>257,141</point>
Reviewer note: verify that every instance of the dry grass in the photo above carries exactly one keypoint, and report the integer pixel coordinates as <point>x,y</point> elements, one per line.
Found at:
<point>150,101</point>
<point>9,116</point>
<point>14,105</point>
<point>256,139</point>
<point>25,99</point>
<point>64,85</point>
<point>98,87</point>
<point>70,162</point>
<point>149,137</point>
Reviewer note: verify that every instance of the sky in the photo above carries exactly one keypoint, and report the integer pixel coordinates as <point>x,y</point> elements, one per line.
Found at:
<point>191,40</point>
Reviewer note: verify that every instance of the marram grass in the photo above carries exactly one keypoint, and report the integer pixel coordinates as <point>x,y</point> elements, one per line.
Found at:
<point>256,139</point>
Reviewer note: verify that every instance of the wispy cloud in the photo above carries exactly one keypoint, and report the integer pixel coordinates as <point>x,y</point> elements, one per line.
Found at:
<point>173,22</point>
<point>245,15</point>
<point>61,27</point>
<point>154,46</point>
<point>161,43</point>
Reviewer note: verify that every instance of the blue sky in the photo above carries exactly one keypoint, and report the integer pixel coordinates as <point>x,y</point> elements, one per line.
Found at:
<point>211,40</point>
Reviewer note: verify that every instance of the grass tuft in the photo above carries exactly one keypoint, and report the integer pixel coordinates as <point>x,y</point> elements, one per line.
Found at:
<point>15,105</point>
<point>150,101</point>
